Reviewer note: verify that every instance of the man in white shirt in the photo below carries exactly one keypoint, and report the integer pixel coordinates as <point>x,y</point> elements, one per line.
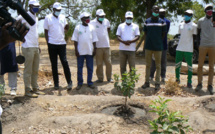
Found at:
<point>31,52</point>
<point>56,26</point>
<point>128,33</point>
<point>84,37</point>
<point>188,31</point>
<point>103,53</point>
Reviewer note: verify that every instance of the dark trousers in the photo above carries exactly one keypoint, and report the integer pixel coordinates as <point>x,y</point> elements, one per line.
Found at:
<point>54,51</point>
<point>0,127</point>
<point>89,63</point>
<point>163,65</point>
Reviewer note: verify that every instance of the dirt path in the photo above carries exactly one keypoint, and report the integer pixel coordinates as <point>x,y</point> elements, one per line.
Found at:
<point>62,112</point>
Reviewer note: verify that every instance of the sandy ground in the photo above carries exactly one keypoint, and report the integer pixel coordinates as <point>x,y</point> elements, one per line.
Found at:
<point>63,112</point>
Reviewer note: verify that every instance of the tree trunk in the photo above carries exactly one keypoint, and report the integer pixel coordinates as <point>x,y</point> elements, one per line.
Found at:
<point>126,102</point>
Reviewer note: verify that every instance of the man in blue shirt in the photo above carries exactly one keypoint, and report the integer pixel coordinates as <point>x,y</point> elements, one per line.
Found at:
<point>155,30</point>
<point>162,13</point>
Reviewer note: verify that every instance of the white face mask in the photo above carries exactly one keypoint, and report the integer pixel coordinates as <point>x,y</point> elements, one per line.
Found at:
<point>129,21</point>
<point>57,13</point>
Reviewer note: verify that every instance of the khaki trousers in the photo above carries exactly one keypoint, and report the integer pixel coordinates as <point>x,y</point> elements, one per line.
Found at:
<point>103,55</point>
<point>148,56</point>
<point>32,59</point>
<point>126,56</point>
<point>203,51</point>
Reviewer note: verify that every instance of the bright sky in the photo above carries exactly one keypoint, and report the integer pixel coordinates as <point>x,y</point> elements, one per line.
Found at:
<point>173,27</point>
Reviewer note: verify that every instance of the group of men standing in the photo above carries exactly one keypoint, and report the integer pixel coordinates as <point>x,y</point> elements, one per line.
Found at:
<point>204,33</point>
<point>92,39</point>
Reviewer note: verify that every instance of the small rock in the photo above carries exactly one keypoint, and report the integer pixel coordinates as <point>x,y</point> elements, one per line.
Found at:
<point>110,119</point>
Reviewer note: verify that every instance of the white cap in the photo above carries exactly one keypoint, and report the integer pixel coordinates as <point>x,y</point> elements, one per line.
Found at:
<point>208,5</point>
<point>162,10</point>
<point>100,12</point>
<point>34,2</point>
<point>84,14</point>
<point>189,11</point>
<point>57,6</point>
<point>128,14</point>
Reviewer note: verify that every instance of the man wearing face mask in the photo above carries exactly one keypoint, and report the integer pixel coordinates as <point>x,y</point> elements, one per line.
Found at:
<point>55,27</point>
<point>31,52</point>
<point>103,53</point>
<point>162,13</point>
<point>206,38</point>
<point>188,32</point>
<point>155,30</point>
<point>127,33</point>
<point>85,38</point>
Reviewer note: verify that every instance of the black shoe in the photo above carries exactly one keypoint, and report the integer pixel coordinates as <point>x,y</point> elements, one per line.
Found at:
<point>198,88</point>
<point>56,87</point>
<point>111,81</point>
<point>78,87</point>
<point>91,86</point>
<point>69,87</point>
<point>189,85</point>
<point>178,81</point>
<point>210,89</point>
<point>163,80</point>
<point>157,87</point>
<point>99,81</point>
<point>146,85</point>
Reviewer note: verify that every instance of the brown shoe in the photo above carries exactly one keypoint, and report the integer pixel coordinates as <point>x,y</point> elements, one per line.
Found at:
<point>30,94</point>
<point>38,92</point>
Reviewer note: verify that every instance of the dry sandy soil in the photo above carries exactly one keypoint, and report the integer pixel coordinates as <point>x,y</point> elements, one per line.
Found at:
<point>82,112</point>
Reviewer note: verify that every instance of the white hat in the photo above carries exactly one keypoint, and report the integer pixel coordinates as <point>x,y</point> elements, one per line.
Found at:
<point>57,6</point>
<point>100,12</point>
<point>128,14</point>
<point>34,2</point>
<point>162,10</point>
<point>208,5</point>
<point>189,11</point>
<point>84,14</point>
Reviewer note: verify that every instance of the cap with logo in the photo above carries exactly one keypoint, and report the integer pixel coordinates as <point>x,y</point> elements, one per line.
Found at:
<point>100,12</point>
<point>209,5</point>
<point>162,10</point>
<point>84,14</point>
<point>57,6</point>
<point>34,2</point>
<point>189,11</point>
<point>128,14</point>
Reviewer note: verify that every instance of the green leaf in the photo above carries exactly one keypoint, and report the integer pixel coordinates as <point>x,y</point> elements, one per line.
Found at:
<point>182,131</point>
<point>165,126</point>
<point>175,129</point>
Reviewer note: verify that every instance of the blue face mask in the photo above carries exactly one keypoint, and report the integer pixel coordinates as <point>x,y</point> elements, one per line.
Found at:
<point>129,21</point>
<point>57,13</point>
<point>155,14</point>
<point>101,19</point>
<point>187,18</point>
<point>35,9</point>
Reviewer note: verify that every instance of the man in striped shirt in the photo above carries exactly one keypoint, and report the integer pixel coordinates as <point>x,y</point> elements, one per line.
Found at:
<point>155,29</point>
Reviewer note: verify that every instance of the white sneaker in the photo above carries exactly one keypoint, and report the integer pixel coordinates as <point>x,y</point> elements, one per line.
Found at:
<point>13,92</point>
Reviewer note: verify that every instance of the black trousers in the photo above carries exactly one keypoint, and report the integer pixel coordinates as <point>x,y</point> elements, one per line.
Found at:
<point>0,127</point>
<point>54,51</point>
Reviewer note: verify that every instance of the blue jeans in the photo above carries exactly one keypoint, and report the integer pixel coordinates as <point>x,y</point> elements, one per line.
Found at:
<point>89,63</point>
